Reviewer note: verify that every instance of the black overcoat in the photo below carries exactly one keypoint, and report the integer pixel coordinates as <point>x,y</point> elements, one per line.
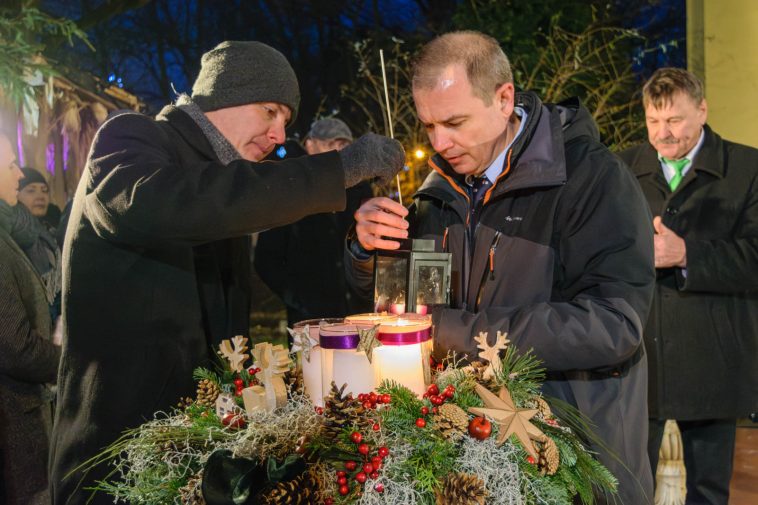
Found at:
<point>28,360</point>
<point>156,269</point>
<point>702,333</point>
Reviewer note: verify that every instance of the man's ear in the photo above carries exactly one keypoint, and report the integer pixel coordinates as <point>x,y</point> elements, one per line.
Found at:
<point>505,96</point>
<point>703,109</point>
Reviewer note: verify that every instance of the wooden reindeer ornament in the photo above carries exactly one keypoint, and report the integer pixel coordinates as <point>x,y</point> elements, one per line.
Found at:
<point>492,353</point>
<point>274,361</point>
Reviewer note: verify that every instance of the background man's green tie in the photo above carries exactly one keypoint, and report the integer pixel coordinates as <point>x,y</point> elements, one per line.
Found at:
<point>678,166</point>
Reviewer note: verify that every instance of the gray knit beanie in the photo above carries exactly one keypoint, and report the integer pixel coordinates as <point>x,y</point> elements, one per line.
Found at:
<point>238,73</point>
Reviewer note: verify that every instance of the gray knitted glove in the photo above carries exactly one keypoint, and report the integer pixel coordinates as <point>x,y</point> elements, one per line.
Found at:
<point>372,156</point>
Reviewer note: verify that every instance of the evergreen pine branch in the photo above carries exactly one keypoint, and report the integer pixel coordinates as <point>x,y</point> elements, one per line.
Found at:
<point>406,407</point>
<point>522,374</point>
<point>201,373</point>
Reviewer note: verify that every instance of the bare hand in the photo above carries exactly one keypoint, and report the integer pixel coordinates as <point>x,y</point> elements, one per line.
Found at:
<point>670,250</point>
<point>377,218</point>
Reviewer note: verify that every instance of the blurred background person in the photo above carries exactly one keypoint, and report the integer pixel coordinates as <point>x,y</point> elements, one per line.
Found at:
<point>36,235</point>
<point>28,357</point>
<point>303,262</point>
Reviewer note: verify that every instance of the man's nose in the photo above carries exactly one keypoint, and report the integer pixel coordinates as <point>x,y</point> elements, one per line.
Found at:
<point>277,134</point>
<point>664,131</point>
<point>440,141</point>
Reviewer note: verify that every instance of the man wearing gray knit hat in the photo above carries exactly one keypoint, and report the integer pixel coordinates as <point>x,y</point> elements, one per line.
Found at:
<point>156,263</point>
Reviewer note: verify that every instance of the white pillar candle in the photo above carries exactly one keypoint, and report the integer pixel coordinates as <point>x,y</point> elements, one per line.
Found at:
<point>341,363</point>
<point>312,375</point>
<point>371,318</point>
<point>404,354</point>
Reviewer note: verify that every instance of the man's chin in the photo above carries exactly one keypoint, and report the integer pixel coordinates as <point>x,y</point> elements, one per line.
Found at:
<point>254,153</point>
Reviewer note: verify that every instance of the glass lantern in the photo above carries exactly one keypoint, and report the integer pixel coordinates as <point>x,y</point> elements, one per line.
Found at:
<point>412,279</point>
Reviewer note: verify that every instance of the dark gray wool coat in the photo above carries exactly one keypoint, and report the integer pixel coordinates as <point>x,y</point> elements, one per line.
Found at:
<point>571,274</point>
<point>28,360</point>
<point>156,270</point>
<point>702,333</point>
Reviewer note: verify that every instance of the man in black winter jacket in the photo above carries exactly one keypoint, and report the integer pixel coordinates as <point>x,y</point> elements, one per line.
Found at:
<point>549,234</point>
<point>303,262</point>
<point>156,261</point>
<point>702,333</point>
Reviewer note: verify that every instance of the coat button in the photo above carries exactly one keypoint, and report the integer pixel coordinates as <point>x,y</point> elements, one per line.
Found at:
<point>671,211</point>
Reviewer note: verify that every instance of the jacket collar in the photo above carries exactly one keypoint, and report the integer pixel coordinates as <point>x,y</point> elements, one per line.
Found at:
<point>188,129</point>
<point>709,159</point>
<point>536,158</point>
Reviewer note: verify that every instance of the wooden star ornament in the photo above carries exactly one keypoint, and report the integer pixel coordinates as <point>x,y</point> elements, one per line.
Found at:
<point>368,341</point>
<point>302,341</point>
<point>510,420</point>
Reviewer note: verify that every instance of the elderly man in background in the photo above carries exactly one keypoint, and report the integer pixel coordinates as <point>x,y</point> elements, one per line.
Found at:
<point>303,262</point>
<point>702,333</point>
<point>156,260</point>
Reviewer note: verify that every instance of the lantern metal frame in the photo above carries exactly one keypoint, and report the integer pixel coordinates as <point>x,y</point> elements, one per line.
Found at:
<point>418,253</point>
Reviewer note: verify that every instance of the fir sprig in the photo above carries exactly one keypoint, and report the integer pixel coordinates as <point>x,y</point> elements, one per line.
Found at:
<point>406,407</point>
<point>202,373</point>
<point>522,374</point>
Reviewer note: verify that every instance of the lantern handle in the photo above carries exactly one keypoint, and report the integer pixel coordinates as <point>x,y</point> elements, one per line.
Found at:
<point>389,119</point>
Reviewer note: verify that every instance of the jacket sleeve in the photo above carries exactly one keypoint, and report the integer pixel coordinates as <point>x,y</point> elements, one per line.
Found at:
<point>271,255</point>
<point>726,265</point>
<point>603,282</point>
<point>25,355</point>
<point>139,192</point>
<point>359,268</point>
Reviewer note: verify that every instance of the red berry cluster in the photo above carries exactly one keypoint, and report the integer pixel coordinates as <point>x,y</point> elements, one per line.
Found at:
<point>240,383</point>
<point>372,399</point>
<point>360,472</point>
<point>436,398</point>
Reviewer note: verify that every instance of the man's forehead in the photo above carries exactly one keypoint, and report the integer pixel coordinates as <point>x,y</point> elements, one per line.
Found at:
<point>673,105</point>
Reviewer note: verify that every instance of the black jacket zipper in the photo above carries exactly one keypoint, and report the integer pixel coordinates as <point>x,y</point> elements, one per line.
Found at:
<point>490,270</point>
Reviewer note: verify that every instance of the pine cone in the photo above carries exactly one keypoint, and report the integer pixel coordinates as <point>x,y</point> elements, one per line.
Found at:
<point>543,408</point>
<point>446,428</point>
<point>299,491</point>
<point>549,457</point>
<point>450,420</point>
<point>191,493</point>
<point>453,413</point>
<point>294,382</point>
<point>461,489</point>
<point>207,392</point>
<point>477,371</point>
<point>341,412</point>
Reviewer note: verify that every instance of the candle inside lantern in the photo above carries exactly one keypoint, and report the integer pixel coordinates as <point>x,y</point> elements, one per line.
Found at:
<point>341,363</point>
<point>404,354</point>
<point>311,368</point>
<point>397,308</point>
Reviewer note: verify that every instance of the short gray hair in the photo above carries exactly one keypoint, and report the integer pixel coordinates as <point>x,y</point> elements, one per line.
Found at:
<point>487,66</point>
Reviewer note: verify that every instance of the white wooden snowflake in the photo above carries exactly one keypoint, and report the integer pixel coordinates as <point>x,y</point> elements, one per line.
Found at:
<point>235,351</point>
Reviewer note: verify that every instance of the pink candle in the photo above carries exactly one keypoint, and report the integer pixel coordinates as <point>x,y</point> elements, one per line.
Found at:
<point>421,309</point>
